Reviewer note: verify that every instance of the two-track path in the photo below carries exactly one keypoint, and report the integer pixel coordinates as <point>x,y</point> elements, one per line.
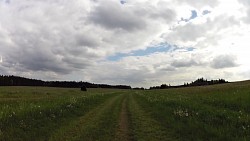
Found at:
<point>119,118</point>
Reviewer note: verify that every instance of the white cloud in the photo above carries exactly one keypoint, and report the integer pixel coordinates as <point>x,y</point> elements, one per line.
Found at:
<point>71,40</point>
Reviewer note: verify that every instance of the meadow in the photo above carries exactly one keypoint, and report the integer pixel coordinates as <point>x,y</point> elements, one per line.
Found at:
<point>217,112</point>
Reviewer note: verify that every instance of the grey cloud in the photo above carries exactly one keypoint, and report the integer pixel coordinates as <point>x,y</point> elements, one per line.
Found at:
<point>75,51</point>
<point>247,19</point>
<point>247,5</point>
<point>190,32</point>
<point>77,63</point>
<point>112,16</point>
<point>2,69</point>
<point>199,3</point>
<point>224,61</point>
<point>159,12</point>
<point>168,69</point>
<point>183,63</point>
<point>46,38</point>
<point>36,59</point>
<point>86,40</point>
<point>166,14</point>
<point>33,53</point>
<point>246,2</point>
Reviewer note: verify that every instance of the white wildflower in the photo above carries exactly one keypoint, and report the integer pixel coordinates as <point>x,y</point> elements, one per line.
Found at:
<point>244,128</point>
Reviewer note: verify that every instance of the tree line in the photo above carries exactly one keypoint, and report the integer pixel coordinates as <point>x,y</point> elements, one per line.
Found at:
<point>10,80</point>
<point>198,82</point>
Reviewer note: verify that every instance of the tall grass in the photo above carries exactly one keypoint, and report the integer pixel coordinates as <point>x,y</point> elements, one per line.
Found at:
<point>34,113</point>
<point>218,112</point>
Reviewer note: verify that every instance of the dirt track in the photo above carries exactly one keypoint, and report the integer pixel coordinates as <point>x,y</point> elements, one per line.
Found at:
<point>123,130</point>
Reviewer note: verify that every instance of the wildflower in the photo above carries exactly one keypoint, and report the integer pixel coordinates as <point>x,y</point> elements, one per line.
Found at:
<point>53,115</point>
<point>244,128</point>
<point>240,112</point>
<point>186,114</point>
<point>68,106</point>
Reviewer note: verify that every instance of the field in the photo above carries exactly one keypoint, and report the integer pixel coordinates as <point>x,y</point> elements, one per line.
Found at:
<point>206,113</point>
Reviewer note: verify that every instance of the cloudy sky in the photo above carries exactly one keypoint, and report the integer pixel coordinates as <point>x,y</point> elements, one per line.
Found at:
<point>133,42</point>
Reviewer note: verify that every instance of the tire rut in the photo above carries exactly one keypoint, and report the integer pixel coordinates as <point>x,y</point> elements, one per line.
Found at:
<point>88,123</point>
<point>143,126</point>
<point>122,133</point>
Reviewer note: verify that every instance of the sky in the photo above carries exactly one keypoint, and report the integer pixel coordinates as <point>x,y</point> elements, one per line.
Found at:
<point>140,43</point>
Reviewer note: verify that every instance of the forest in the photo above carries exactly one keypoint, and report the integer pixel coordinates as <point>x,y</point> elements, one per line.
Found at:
<point>11,80</point>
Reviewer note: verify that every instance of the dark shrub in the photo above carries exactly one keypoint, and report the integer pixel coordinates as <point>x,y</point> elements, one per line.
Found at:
<point>83,88</point>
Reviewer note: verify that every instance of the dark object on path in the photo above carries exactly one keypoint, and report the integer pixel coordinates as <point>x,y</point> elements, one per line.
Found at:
<point>83,88</point>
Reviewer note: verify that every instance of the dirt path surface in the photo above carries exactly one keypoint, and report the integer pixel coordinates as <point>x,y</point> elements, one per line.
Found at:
<point>120,118</point>
<point>122,133</point>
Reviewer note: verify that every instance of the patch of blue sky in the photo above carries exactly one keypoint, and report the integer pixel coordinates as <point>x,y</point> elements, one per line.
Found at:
<point>190,49</point>
<point>205,12</point>
<point>117,56</point>
<point>123,1</point>
<point>193,16</point>
<point>162,47</point>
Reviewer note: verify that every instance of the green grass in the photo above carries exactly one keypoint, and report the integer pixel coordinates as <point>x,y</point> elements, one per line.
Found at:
<point>218,112</point>
<point>100,123</point>
<point>143,127</point>
<point>36,113</point>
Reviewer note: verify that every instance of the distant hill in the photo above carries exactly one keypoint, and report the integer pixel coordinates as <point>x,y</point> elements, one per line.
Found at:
<point>11,80</point>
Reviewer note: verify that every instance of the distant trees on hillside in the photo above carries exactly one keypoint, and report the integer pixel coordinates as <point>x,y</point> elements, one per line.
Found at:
<point>202,82</point>
<point>137,88</point>
<point>198,82</point>
<point>21,81</point>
